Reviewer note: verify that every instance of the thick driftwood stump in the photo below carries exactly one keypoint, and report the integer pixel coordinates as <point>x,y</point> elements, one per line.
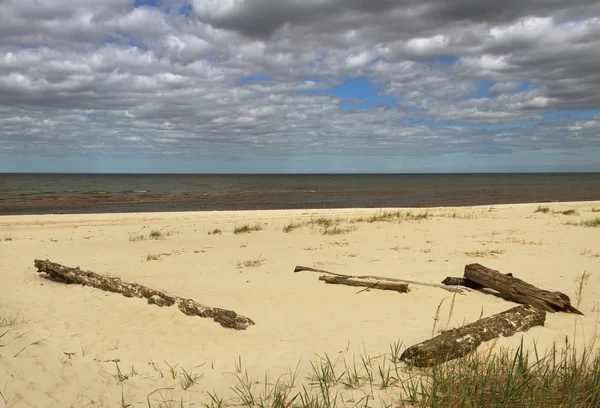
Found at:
<point>459,342</point>
<point>450,281</point>
<point>368,283</point>
<point>226,318</point>
<point>518,290</point>
<point>433,285</point>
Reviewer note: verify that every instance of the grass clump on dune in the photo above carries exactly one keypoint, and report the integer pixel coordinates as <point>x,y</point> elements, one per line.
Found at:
<point>570,212</point>
<point>246,228</point>
<point>291,226</point>
<point>594,223</point>
<point>251,263</point>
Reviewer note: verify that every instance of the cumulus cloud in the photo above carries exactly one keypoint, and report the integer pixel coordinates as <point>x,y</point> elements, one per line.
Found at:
<point>258,77</point>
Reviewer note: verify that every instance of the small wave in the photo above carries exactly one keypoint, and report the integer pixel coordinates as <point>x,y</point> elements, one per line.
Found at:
<point>140,191</point>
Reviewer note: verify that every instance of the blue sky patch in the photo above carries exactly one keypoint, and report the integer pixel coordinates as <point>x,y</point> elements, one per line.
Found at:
<point>359,93</point>
<point>141,3</point>
<point>252,79</point>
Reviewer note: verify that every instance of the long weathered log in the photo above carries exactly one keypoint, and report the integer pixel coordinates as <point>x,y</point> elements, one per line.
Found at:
<point>226,318</point>
<point>459,342</point>
<point>367,282</point>
<point>518,290</point>
<point>460,281</point>
<point>433,285</point>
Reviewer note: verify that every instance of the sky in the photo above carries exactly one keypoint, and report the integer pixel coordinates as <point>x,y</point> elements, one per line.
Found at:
<point>299,86</point>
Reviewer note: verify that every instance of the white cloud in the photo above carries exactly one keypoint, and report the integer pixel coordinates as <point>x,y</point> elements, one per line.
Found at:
<point>111,78</point>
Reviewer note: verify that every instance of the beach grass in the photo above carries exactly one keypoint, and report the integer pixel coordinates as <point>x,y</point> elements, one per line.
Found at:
<point>593,223</point>
<point>542,209</point>
<point>588,252</point>
<point>486,253</point>
<point>251,263</point>
<point>247,228</point>
<point>337,230</point>
<point>291,226</point>
<point>137,237</point>
<point>570,212</point>
<point>215,231</point>
<point>560,377</point>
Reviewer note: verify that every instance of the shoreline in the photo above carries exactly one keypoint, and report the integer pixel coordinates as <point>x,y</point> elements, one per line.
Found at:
<point>185,205</point>
<point>298,318</point>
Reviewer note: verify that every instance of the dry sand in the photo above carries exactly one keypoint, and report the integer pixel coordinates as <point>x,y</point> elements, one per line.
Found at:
<point>57,352</point>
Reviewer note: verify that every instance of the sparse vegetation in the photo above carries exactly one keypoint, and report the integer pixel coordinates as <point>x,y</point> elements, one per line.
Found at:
<point>588,252</point>
<point>594,223</point>
<point>570,212</point>
<point>216,231</point>
<point>252,263</point>
<point>507,378</point>
<point>547,210</point>
<point>9,320</point>
<point>156,257</point>
<point>155,234</point>
<point>395,216</point>
<point>336,230</point>
<point>324,222</point>
<point>152,257</point>
<point>246,228</point>
<point>595,209</point>
<point>137,237</point>
<point>399,248</point>
<point>8,237</point>
<point>487,253</point>
<point>291,226</point>
<point>186,380</point>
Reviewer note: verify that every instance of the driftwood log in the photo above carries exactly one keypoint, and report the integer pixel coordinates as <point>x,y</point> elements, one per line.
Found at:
<point>226,318</point>
<point>517,290</point>
<point>367,282</point>
<point>450,281</point>
<point>379,278</point>
<point>459,342</point>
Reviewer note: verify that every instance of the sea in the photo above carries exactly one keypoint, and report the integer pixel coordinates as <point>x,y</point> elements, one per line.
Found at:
<point>122,193</point>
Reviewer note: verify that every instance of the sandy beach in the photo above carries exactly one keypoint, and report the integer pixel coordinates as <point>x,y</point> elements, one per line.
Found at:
<point>75,346</point>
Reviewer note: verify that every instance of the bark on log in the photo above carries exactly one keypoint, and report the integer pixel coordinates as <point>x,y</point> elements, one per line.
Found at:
<point>433,285</point>
<point>368,283</point>
<point>459,342</point>
<point>226,318</point>
<point>518,290</point>
<point>451,281</point>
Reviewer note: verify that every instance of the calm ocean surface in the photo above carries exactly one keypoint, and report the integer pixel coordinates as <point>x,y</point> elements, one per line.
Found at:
<point>102,193</point>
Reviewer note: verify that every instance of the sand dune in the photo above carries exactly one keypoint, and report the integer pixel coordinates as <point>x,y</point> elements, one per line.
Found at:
<point>73,346</point>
